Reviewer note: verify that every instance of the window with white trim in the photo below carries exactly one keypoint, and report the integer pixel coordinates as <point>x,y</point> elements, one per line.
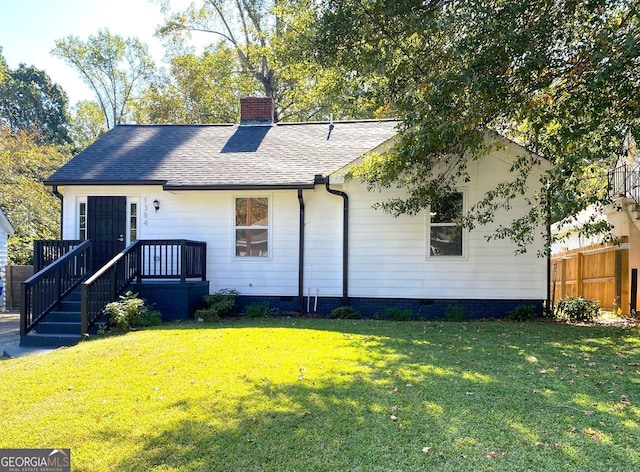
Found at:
<point>133,221</point>
<point>445,232</point>
<point>82,221</point>
<point>252,226</point>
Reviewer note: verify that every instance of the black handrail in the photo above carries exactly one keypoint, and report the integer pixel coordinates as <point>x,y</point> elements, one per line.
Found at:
<point>45,252</point>
<point>107,284</point>
<point>144,259</point>
<point>44,290</point>
<point>624,181</point>
<point>172,259</point>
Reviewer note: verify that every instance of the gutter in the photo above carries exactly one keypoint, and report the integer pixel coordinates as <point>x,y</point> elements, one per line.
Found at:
<point>301,253</point>
<point>345,239</point>
<point>57,193</point>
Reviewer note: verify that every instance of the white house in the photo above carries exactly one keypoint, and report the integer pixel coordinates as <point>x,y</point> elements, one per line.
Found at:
<point>282,224</point>
<point>5,231</point>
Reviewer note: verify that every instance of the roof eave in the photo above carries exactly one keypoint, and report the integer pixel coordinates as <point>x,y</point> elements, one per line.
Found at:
<point>92,183</point>
<point>290,186</point>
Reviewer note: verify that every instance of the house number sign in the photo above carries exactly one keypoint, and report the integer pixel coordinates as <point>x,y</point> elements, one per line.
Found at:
<point>145,212</point>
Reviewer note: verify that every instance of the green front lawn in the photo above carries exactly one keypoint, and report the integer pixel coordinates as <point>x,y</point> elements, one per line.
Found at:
<point>334,395</point>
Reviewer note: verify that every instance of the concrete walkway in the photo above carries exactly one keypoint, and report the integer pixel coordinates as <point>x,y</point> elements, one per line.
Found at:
<point>10,337</point>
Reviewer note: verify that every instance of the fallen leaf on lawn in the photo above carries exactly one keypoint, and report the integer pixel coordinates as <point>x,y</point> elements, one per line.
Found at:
<point>464,456</point>
<point>624,400</point>
<point>572,429</point>
<point>469,394</point>
<point>70,387</point>
<point>393,417</point>
<point>494,455</point>
<point>535,390</point>
<point>593,434</point>
<point>587,413</point>
<point>426,449</point>
<point>394,409</point>
<point>400,427</point>
<point>542,371</point>
<point>393,388</point>
<point>409,385</point>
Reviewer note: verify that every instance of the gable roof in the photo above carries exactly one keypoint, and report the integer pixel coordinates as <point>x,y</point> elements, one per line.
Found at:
<point>189,157</point>
<point>5,225</point>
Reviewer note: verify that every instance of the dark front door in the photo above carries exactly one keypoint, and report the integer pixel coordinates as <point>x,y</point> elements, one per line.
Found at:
<point>106,227</point>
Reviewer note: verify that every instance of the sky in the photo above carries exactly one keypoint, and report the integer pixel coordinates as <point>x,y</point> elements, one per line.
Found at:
<point>29,29</point>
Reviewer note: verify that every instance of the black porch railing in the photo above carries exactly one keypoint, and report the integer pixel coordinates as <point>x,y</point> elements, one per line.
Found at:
<point>144,259</point>
<point>44,290</point>
<point>46,252</point>
<point>624,181</point>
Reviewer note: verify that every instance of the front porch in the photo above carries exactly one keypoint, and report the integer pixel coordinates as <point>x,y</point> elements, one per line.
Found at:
<point>64,300</point>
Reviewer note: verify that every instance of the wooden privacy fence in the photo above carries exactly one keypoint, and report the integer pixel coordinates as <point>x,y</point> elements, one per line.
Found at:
<point>597,272</point>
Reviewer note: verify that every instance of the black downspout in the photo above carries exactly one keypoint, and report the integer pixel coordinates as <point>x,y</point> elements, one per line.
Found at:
<point>59,195</point>
<point>345,241</point>
<point>301,254</point>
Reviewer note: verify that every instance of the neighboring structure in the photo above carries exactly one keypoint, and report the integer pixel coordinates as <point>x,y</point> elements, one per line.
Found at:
<point>282,224</point>
<point>5,231</point>
<point>604,267</point>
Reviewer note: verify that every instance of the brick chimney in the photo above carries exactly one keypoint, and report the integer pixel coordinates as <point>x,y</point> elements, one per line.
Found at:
<point>256,111</point>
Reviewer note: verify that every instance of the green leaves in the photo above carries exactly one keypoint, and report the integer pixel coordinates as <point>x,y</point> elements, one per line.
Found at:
<point>30,101</point>
<point>31,207</point>
<point>560,78</point>
<point>112,66</point>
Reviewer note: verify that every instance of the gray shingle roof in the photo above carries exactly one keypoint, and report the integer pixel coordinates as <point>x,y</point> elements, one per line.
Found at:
<point>219,156</point>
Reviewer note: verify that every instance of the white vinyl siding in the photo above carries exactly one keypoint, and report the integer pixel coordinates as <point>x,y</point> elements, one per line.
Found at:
<point>3,263</point>
<point>387,255</point>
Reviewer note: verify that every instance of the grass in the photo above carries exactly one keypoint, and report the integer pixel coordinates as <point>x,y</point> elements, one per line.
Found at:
<point>334,395</point>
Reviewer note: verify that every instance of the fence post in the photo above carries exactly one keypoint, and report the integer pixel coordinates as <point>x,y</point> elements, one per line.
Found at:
<point>633,296</point>
<point>579,273</point>
<point>623,274</point>
<point>563,279</point>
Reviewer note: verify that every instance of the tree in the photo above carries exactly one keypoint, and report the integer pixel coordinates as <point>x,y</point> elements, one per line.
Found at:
<point>198,89</point>
<point>266,37</point>
<point>560,77</point>
<point>29,100</point>
<point>31,207</point>
<point>113,67</point>
<point>87,124</point>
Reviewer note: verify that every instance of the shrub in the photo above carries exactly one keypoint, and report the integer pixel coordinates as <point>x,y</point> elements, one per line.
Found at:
<point>345,313</point>
<point>257,310</point>
<point>455,313</point>
<point>131,312</point>
<point>394,314</point>
<point>522,313</point>
<point>221,304</point>
<point>577,309</point>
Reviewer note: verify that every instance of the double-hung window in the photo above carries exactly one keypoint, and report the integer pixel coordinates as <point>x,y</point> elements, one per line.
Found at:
<point>445,231</point>
<point>252,226</point>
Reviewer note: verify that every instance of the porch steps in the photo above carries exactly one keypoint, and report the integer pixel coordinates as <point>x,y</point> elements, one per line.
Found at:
<point>59,328</point>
